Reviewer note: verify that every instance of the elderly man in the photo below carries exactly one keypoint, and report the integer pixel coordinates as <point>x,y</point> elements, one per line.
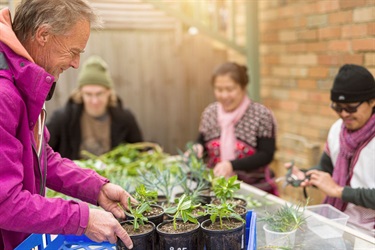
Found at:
<point>346,173</point>
<point>93,118</point>
<point>46,38</point>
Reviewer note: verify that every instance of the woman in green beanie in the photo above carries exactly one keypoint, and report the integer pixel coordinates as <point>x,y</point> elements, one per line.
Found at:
<point>93,118</point>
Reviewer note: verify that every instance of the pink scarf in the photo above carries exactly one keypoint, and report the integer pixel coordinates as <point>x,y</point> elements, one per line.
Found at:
<point>227,121</point>
<point>351,144</point>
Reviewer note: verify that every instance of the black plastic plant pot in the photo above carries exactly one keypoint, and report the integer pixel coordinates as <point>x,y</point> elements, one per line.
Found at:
<point>141,241</point>
<point>205,199</point>
<point>226,239</point>
<point>188,240</point>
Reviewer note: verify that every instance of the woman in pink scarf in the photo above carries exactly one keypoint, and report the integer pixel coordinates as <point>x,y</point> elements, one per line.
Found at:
<point>346,173</point>
<point>236,135</point>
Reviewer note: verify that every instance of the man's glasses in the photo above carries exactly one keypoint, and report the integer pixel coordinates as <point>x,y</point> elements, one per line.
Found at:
<point>348,109</point>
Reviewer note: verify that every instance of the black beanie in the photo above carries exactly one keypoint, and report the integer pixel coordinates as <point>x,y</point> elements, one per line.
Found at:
<point>353,83</point>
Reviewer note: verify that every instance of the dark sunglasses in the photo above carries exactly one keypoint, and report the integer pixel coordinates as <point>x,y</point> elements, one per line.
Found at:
<point>348,109</point>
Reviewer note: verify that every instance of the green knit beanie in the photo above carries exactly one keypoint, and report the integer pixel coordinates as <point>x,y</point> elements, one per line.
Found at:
<point>95,72</point>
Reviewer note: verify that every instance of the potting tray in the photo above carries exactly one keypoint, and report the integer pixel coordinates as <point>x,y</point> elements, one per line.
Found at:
<point>62,242</point>
<point>65,242</point>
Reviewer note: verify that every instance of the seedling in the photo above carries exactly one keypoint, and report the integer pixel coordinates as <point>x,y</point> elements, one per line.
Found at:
<point>285,219</point>
<point>223,210</point>
<point>137,213</point>
<point>143,195</point>
<point>225,188</point>
<point>183,210</point>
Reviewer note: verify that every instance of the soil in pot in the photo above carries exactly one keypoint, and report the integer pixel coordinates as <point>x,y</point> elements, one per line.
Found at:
<point>241,210</point>
<point>229,237</point>
<point>143,238</point>
<point>235,201</point>
<point>185,236</point>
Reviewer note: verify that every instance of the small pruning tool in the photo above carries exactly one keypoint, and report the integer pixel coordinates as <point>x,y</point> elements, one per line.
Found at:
<point>292,179</point>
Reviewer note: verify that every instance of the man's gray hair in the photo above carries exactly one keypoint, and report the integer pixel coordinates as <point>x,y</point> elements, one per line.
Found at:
<point>59,15</point>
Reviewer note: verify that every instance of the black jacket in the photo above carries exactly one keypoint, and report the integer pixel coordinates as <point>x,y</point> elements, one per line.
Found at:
<point>65,129</point>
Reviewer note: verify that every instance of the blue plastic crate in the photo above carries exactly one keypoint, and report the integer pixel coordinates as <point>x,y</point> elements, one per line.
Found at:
<point>62,242</point>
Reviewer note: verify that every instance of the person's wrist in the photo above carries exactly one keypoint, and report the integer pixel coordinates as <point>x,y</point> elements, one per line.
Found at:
<point>339,191</point>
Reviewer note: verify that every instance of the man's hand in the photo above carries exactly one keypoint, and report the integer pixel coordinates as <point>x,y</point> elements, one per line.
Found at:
<point>102,226</point>
<point>109,197</point>
<point>325,183</point>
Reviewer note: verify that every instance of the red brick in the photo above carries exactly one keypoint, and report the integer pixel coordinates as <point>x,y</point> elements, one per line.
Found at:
<point>340,59</point>
<point>350,31</point>
<point>353,59</point>
<point>320,97</point>
<point>371,29</point>
<point>325,110</point>
<point>370,59</point>
<point>307,35</point>
<point>307,108</point>
<point>367,44</point>
<point>265,71</point>
<point>299,21</point>
<point>270,59</point>
<point>310,132</point>
<point>296,47</point>
<point>339,45</point>
<point>308,8</point>
<point>288,10</point>
<point>329,60</point>
<point>320,72</point>
<point>287,36</point>
<point>345,4</point>
<point>317,47</point>
<point>328,6</point>
<point>361,15</point>
<point>340,17</point>
<point>284,23</point>
<point>288,105</point>
<point>329,33</point>
<point>270,82</point>
<point>306,84</point>
<point>269,37</point>
<point>298,95</point>
<point>272,25</point>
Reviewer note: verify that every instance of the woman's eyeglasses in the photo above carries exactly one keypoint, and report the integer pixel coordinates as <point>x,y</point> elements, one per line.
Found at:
<point>348,109</point>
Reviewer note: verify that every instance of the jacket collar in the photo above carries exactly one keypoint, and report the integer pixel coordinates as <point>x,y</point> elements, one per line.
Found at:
<point>31,80</point>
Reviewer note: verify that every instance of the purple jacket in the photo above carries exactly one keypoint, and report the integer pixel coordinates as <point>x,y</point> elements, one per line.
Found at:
<point>23,175</point>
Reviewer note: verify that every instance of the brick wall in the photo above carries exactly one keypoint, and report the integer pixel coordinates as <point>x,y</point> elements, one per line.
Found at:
<point>302,45</point>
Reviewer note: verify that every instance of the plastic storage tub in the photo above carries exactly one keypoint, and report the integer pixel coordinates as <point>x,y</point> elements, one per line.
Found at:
<point>62,242</point>
<point>315,222</point>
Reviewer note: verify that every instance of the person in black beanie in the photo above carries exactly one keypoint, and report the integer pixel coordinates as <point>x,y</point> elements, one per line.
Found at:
<point>346,172</point>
